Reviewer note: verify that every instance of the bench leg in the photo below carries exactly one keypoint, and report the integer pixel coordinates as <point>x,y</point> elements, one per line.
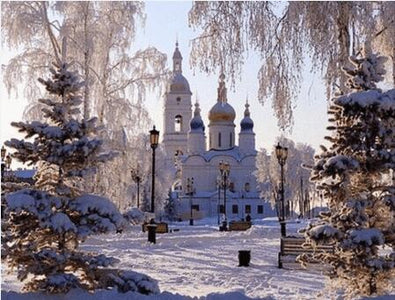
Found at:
<point>280,263</point>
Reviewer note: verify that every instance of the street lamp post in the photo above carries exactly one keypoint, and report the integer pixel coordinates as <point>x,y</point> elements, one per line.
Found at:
<point>219,198</point>
<point>190,193</point>
<point>137,179</point>
<point>224,169</point>
<point>154,140</point>
<point>3,151</point>
<point>5,162</point>
<point>282,153</point>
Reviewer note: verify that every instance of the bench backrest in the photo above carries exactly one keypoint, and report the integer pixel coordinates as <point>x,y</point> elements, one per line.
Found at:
<point>239,225</point>
<point>297,245</point>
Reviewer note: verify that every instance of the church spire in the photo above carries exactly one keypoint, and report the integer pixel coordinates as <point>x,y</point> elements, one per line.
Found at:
<point>177,60</point>
<point>196,113</point>
<point>247,124</point>
<point>247,110</point>
<point>222,89</point>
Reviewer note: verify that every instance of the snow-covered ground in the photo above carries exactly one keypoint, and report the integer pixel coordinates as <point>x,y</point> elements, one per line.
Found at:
<point>199,261</point>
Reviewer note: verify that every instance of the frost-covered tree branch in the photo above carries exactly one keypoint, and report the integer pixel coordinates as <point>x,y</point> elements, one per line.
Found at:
<point>99,37</point>
<point>284,35</point>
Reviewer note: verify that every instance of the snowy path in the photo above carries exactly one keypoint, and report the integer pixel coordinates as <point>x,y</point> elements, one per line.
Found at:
<point>198,260</point>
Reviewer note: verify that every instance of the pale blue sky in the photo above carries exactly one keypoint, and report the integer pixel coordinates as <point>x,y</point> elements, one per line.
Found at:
<point>167,20</point>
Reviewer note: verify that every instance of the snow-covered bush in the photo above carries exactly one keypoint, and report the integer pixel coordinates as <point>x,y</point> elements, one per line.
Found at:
<point>134,216</point>
<point>47,222</point>
<point>353,175</point>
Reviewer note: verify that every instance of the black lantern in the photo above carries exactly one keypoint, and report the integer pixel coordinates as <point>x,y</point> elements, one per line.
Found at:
<point>154,140</point>
<point>282,153</point>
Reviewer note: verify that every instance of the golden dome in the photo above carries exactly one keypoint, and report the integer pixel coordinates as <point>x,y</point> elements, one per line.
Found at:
<point>222,112</point>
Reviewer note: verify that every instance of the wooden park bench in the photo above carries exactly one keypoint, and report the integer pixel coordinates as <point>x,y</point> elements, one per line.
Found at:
<point>161,227</point>
<point>291,247</point>
<point>239,225</point>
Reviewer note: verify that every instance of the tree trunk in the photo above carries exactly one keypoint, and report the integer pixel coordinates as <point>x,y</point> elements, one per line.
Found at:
<point>372,285</point>
<point>86,63</point>
<point>393,66</point>
<point>344,41</point>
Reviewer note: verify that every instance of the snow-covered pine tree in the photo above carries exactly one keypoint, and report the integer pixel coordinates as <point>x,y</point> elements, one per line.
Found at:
<point>46,223</point>
<point>352,175</point>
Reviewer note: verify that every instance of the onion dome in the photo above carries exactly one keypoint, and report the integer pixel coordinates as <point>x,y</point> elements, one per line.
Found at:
<point>222,111</point>
<point>196,123</point>
<point>179,84</point>
<point>247,124</point>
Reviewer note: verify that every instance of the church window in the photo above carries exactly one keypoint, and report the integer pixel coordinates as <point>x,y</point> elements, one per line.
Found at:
<point>248,209</point>
<point>247,186</point>
<point>178,123</point>
<point>178,100</point>
<point>195,207</point>
<point>221,209</point>
<point>211,141</point>
<point>230,140</point>
<point>235,209</point>
<point>232,187</point>
<point>260,209</point>
<point>219,139</point>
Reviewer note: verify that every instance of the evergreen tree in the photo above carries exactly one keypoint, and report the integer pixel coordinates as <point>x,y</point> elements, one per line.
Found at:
<point>47,222</point>
<point>352,175</point>
<point>170,206</point>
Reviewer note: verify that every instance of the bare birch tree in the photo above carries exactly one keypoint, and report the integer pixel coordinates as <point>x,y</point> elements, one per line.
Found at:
<point>99,38</point>
<point>284,35</point>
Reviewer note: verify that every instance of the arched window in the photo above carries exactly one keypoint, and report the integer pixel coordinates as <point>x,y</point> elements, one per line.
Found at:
<point>219,139</point>
<point>230,140</point>
<point>211,141</point>
<point>177,67</point>
<point>178,100</point>
<point>178,123</point>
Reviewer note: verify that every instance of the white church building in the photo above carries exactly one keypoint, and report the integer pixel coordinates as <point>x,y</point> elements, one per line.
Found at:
<point>197,154</point>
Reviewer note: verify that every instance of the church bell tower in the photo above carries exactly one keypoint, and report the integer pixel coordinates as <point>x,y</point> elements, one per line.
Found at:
<point>177,110</point>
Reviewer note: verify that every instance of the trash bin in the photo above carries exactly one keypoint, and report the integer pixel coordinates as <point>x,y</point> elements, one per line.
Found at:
<point>244,258</point>
<point>152,233</point>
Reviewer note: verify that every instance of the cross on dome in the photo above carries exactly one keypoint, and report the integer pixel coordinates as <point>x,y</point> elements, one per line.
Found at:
<point>222,89</point>
<point>247,110</point>
<point>197,109</point>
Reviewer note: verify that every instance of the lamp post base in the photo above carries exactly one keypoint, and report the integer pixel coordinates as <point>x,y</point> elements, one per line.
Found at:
<point>283,229</point>
<point>224,226</point>
<point>191,222</point>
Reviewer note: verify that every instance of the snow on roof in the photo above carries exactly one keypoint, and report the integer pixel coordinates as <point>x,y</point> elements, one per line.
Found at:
<point>233,152</point>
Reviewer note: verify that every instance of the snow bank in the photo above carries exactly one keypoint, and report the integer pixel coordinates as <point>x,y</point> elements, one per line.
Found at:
<point>77,294</point>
